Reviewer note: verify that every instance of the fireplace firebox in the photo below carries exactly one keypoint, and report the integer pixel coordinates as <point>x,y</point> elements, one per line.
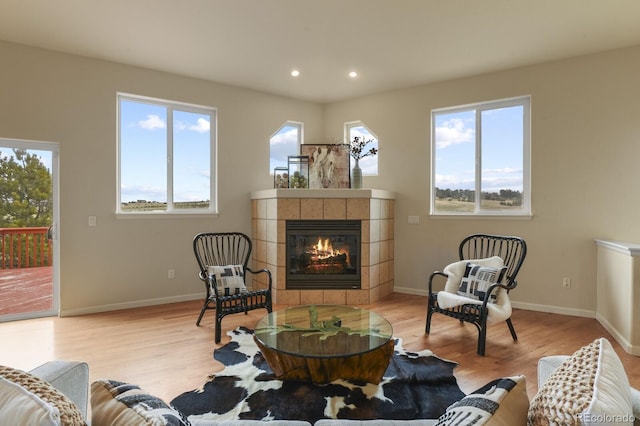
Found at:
<point>323,254</point>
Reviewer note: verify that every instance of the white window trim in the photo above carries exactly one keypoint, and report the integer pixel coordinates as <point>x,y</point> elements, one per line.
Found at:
<point>170,212</point>
<point>525,212</point>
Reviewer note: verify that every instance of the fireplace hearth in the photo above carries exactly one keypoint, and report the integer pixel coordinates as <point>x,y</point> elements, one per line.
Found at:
<point>323,254</point>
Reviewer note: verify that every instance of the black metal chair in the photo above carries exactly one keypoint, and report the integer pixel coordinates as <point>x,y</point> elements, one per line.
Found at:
<point>223,249</point>
<point>512,250</point>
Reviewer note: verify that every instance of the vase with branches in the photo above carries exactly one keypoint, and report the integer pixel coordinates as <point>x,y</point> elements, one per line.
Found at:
<point>357,150</point>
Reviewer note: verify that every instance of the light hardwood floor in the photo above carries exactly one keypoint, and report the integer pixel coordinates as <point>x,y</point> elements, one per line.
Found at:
<point>161,349</point>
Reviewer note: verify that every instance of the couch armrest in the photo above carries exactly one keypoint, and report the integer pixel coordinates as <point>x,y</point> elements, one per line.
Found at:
<point>69,377</point>
<point>547,365</point>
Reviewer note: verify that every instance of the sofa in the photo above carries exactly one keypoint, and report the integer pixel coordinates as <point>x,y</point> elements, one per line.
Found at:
<point>588,387</point>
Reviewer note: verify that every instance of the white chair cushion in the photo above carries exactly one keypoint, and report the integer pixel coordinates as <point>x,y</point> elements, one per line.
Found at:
<point>455,271</point>
<point>449,298</point>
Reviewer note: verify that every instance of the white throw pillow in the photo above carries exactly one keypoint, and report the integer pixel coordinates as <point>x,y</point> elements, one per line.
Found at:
<point>21,407</point>
<point>589,388</point>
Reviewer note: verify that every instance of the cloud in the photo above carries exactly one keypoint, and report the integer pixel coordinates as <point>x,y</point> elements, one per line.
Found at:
<point>462,181</point>
<point>287,138</point>
<point>202,126</point>
<point>152,122</point>
<point>453,132</point>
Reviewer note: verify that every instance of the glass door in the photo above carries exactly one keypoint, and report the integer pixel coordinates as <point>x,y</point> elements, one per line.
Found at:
<point>28,236</point>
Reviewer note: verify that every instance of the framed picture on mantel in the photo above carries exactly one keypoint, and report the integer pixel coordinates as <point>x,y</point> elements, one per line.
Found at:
<point>328,165</point>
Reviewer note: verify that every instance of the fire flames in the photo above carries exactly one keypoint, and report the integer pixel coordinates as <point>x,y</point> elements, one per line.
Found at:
<point>324,253</point>
<point>324,249</point>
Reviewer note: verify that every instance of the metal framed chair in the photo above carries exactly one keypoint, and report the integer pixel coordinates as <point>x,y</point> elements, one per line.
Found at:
<point>512,250</point>
<point>225,249</point>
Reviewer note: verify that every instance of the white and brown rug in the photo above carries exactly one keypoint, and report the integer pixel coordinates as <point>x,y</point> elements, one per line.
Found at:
<point>417,385</point>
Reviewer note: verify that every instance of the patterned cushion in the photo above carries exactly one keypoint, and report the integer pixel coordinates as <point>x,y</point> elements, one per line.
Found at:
<point>500,402</point>
<point>477,280</point>
<point>229,279</point>
<point>121,404</point>
<point>591,387</point>
<point>56,403</point>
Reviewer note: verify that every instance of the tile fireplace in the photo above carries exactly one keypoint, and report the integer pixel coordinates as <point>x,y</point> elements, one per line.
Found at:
<point>346,257</point>
<point>322,254</point>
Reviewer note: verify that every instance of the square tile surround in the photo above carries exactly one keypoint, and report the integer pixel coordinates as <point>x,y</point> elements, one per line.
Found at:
<point>270,209</point>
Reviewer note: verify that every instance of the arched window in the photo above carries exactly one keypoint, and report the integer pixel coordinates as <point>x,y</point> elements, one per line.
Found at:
<point>283,143</point>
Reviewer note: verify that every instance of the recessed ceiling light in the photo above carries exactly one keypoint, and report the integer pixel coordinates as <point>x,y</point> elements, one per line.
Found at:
<point>295,73</point>
<point>353,74</point>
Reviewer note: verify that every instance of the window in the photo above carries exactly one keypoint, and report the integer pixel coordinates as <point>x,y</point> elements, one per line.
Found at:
<point>369,165</point>
<point>166,156</point>
<point>283,143</point>
<point>481,149</point>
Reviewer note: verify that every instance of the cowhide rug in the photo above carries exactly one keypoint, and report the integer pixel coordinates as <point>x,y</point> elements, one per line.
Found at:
<point>417,385</point>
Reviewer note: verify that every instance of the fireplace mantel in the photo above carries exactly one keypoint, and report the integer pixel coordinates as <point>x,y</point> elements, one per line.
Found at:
<point>271,209</point>
<point>323,193</point>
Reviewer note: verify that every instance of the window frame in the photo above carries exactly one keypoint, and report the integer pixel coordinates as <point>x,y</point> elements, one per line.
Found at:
<point>479,108</point>
<point>171,106</point>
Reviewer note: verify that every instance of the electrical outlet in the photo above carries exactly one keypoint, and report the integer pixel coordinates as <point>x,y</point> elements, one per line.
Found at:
<point>171,274</point>
<point>566,282</point>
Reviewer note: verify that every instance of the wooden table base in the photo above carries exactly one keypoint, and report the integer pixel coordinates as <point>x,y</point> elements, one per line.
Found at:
<point>367,367</point>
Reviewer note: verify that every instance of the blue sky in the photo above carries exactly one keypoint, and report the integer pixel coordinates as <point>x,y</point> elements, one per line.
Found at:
<point>143,154</point>
<point>502,148</point>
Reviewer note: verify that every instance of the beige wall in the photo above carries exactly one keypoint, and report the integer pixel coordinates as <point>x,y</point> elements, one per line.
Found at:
<point>71,100</point>
<point>585,151</point>
<point>585,148</point>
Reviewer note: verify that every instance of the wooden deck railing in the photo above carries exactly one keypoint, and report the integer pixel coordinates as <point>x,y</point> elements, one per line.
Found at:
<point>25,248</point>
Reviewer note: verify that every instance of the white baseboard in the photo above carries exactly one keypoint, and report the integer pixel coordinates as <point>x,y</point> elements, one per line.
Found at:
<point>408,290</point>
<point>518,305</point>
<point>623,341</point>
<point>129,305</point>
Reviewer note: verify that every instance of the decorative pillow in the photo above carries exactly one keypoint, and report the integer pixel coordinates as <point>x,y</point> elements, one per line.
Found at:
<point>590,387</point>
<point>500,402</point>
<point>229,279</point>
<point>56,402</point>
<point>477,280</point>
<point>121,404</point>
<point>21,407</point>
<point>455,271</point>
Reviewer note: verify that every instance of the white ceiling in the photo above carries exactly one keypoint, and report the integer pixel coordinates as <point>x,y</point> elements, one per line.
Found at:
<point>390,43</point>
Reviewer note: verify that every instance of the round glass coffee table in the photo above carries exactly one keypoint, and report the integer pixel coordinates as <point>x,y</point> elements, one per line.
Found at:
<point>323,343</point>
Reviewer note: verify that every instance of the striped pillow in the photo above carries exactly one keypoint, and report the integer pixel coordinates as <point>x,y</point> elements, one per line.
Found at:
<point>500,402</point>
<point>115,403</point>
<point>477,280</point>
